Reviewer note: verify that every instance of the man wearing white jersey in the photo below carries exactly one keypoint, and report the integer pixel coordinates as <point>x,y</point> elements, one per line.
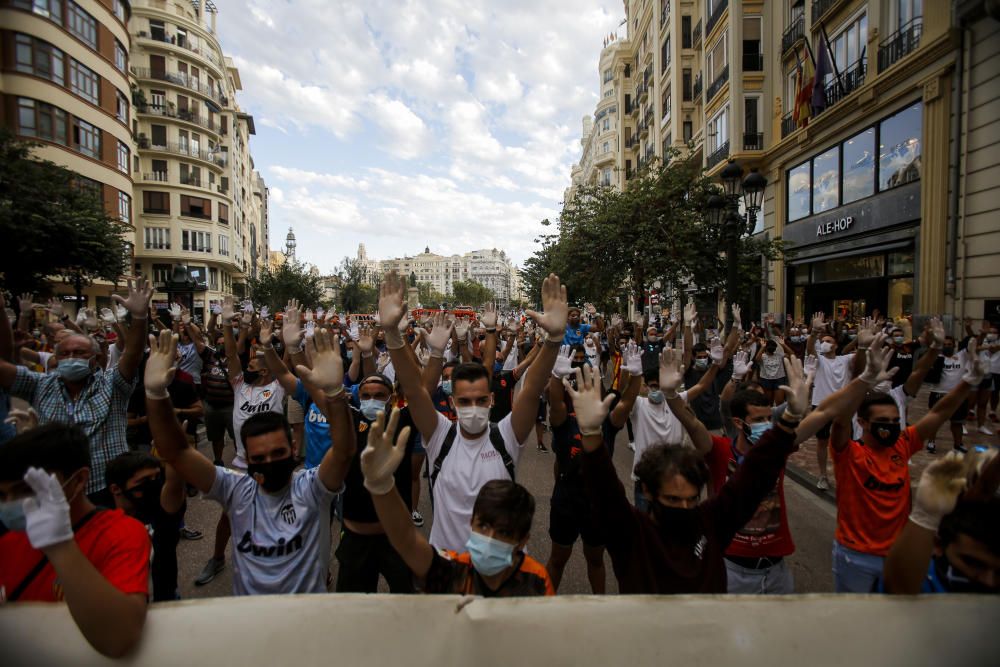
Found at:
<point>944,376</point>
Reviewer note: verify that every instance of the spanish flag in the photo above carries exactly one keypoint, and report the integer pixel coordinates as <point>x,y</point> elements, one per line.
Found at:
<point>803,100</point>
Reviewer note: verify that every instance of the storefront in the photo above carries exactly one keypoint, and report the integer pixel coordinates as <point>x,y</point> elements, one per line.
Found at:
<point>853,213</point>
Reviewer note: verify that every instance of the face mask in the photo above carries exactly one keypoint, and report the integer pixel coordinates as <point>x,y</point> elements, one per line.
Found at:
<point>446,387</point>
<point>578,364</point>
<point>799,339</point>
<point>947,351</point>
<point>12,515</point>
<point>489,556</point>
<point>473,419</point>
<point>653,339</point>
<point>852,336</point>
<point>898,340</point>
<point>680,524</point>
<point>73,370</point>
<point>991,338</point>
<point>655,396</point>
<point>701,364</point>
<point>370,407</point>
<point>753,432</point>
<point>148,503</point>
<point>276,474</point>
<point>885,433</point>
<point>825,347</point>
<point>251,376</point>
<point>350,354</point>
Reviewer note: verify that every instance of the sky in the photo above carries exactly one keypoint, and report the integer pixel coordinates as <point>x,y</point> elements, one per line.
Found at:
<point>402,124</point>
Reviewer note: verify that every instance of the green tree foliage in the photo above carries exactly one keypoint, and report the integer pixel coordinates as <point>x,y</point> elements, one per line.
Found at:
<point>291,280</point>
<point>430,297</point>
<point>52,226</point>
<point>657,229</point>
<point>469,293</point>
<point>356,296</point>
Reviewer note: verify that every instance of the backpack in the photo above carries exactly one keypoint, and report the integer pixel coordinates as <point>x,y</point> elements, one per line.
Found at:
<point>495,439</point>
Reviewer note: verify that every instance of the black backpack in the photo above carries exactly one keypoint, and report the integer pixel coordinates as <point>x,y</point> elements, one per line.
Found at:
<point>495,439</point>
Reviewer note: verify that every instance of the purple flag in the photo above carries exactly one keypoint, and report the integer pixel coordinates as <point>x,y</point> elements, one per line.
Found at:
<point>823,68</point>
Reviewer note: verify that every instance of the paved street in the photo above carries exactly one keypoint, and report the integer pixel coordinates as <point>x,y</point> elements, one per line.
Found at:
<point>812,522</point>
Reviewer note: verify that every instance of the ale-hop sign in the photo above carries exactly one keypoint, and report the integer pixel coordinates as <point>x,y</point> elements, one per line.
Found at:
<point>834,226</point>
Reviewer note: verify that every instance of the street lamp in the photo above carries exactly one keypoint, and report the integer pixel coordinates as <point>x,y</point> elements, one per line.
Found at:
<point>751,189</point>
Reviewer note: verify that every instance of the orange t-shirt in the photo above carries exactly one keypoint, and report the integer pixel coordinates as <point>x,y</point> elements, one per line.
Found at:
<point>873,492</point>
<point>116,544</point>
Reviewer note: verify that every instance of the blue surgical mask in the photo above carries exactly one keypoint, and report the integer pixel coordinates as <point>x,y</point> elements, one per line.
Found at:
<point>898,340</point>
<point>701,364</point>
<point>12,515</point>
<point>655,396</point>
<point>753,432</point>
<point>489,556</point>
<point>370,408</point>
<point>350,354</point>
<point>446,387</point>
<point>73,370</point>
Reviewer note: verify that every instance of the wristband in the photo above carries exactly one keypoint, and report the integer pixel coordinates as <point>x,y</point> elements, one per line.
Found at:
<point>334,394</point>
<point>492,331</point>
<point>367,355</point>
<point>788,423</point>
<point>156,397</point>
<point>737,380</point>
<point>553,339</point>
<point>790,416</point>
<point>672,395</point>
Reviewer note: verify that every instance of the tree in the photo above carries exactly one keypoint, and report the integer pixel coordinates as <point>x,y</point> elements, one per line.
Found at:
<point>291,280</point>
<point>471,293</point>
<point>430,297</point>
<point>52,225</point>
<point>356,296</point>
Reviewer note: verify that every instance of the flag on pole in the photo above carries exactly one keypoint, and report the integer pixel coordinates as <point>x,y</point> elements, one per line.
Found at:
<point>803,101</point>
<point>823,69</point>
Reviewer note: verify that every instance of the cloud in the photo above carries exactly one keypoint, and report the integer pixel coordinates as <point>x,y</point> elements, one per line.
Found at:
<point>406,135</point>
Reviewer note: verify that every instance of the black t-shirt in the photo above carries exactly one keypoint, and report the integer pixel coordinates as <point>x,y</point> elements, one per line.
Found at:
<point>903,360</point>
<point>163,568</point>
<point>567,443</point>
<point>183,394</point>
<point>358,504</point>
<point>706,406</point>
<point>503,395</point>
<point>651,354</point>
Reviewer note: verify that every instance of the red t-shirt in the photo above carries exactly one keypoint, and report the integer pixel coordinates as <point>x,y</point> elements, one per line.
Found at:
<point>873,492</point>
<point>767,533</point>
<point>116,544</point>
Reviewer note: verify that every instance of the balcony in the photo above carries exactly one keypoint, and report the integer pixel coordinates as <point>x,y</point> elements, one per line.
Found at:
<point>716,15</point>
<point>718,83</point>
<point>850,80</point>
<point>820,7</point>
<point>793,34</point>
<point>182,80</point>
<point>696,34</point>
<point>753,141</point>
<point>720,154</point>
<point>634,111</point>
<point>218,158</point>
<point>753,62</point>
<point>156,176</point>
<point>191,180</point>
<point>183,43</point>
<point>788,124</point>
<point>697,87</point>
<point>900,44</point>
<point>183,114</point>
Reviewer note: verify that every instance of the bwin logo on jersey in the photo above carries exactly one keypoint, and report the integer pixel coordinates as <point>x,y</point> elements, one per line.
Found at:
<point>288,513</point>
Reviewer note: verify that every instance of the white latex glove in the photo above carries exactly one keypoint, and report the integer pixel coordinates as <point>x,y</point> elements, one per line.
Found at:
<point>671,372</point>
<point>941,483</point>
<point>737,320</point>
<point>264,312</point>
<point>632,359</point>
<point>690,314</point>
<point>381,457</point>
<point>797,389</point>
<point>717,353</point>
<point>23,420</point>
<point>310,329</point>
<point>591,410</point>
<point>291,327</point>
<point>216,309</point>
<point>185,316</point>
<point>391,302</point>
<point>107,316</point>
<point>161,365</point>
<point>489,316</point>
<point>228,310</point>
<point>439,336</point>
<point>248,306</point>
<point>320,313</point>
<point>975,368</point>
<point>175,311</point>
<point>462,325</point>
<point>741,365</point>
<point>365,340</point>
<point>877,361</point>
<point>564,363</point>
<point>812,364</point>
<point>266,329</point>
<point>81,318</point>
<point>936,329</point>
<point>308,315</point>
<point>47,512</point>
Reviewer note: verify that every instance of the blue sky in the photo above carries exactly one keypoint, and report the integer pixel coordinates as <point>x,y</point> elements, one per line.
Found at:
<point>400,124</point>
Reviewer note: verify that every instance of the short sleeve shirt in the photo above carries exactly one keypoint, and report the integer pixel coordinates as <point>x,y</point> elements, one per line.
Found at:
<point>281,542</point>
<point>832,375</point>
<point>574,335</point>
<point>654,424</point>
<point>250,400</point>
<point>453,573</point>
<point>873,492</point>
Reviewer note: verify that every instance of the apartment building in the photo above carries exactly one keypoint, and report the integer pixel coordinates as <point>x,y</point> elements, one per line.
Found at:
<point>490,268</point>
<point>885,189</point>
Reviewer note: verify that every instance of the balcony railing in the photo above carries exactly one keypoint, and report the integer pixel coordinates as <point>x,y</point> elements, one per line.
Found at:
<point>720,154</point>
<point>182,80</point>
<point>697,87</point>
<point>850,80</point>
<point>788,124</point>
<point>182,43</point>
<point>900,44</point>
<point>716,15</point>
<point>218,158</point>
<point>182,114</point>
<point>696,34</point>
<point>820,7</point>
<point>718,83</point>
<point>635,108</point>
<point>753,62</point>
<point>191,180</point>
<point>158,176</point>
<point>793,33</point>
<point>753,141</point>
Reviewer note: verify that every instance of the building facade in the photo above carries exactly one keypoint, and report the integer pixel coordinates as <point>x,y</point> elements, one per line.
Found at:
<point>489,267</point>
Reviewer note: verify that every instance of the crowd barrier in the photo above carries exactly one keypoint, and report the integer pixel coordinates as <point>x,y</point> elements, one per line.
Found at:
<point>298,631</point>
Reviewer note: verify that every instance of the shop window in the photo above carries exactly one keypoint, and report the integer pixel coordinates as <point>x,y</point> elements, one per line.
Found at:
<point>900,297</point>
<point>859,166</point>
<point>899,148</point>
<point>849,268</point>
<point>802,274</point>
<point>799,190</point>
<point>901,263</point>
<point>826,180</point>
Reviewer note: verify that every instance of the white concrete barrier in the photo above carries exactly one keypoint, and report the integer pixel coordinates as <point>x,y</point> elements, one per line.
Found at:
<point>406,631</point>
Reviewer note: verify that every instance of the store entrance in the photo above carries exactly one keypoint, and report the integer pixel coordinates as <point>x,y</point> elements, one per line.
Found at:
<point>851,299</point>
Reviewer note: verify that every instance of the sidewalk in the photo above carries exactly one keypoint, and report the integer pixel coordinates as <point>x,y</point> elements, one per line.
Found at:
<point>802,466</point>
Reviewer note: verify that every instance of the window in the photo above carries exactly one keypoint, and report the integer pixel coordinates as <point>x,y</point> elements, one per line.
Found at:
<point>213,278</point>
<point>606,125</point>
<point>87,138</point>
<point>799,190</point>
<point>196,207</point>
<point>81,24</point>
<point>162,273</point>
<point>718,130</point>
<point>37,119</point>
<point>751,114</point>
<point>120,57</point>
<point>686,84</point>
<point>51,9</point>
<point>121,107</point>
<point>899,148</point>
<point>848,45</point>
<point>859,166</point>
<point>685,31</point>
<point>159,134</point>
<point>909,10</point>
<point>27,124</point>
<point>84,82</point>
<point>826,180</point>
<point>155,202</point>
<point>608,75</point>
<point>123,158</point>
<point>665,55</point>
<point>752,61</point>
<point>33,56</point>
<point>223,245</point>
<point>718,57</point>
<point>666,105</point>
<point>157,238</point>
<point>157,30</point>
<point>606,177</point>
<point>124,207</point>
<point>605,147</point>
<point>196,241</point>
<point>688,130</point>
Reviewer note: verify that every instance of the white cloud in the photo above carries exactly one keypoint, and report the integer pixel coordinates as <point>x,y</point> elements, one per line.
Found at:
<point>406,134</point>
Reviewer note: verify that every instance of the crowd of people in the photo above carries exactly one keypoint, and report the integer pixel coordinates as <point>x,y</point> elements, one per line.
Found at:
<point>342,422</point>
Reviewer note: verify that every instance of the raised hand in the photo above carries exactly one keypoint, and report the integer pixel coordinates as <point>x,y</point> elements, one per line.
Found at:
<point>866,333</point>
<point>690,314</point>
<point>55,307</point>
<point>327,370</point>
<point>591,410</point>
<point>216,309</point>
<point>291,328</point>
<point>818,322</point>
<point>161,365</point>
<point>90,319</point>
<point>737,316</point>
<point>797,389</point>
<point>489,316</point>
<point>741,365</point>
<point>811,364</point>
<point>382,456</point>
<point>319,313</point>
<point>555,308</point>
<point>310,330</point>
<point>975,367</point>
<point>404,322</point>
<point>81,317</point>
<point>23,420</point>
<point>107,316</point>
<point>185,316</point>
<point>248,306</point>
<point>439,336</point>
<point>564,363</point>
<point>671,372</point>
<point>878,361</point>
<point>941,483</point>
<point>308,315</point>
<point>632,359</point>
<point>617,322</point>
<point>717,353</point>
<point>266,328</point>
<point>46,513</point>
<point>462,325</point>
<point>139,294</point>
<point>228,310</point>
<point>264,312</point>
<point>25,302</point>
<point>175,311</point>
<point>936,332</point>
<point>366,340</point>
<point>391,300</point>
<point>591,309</point>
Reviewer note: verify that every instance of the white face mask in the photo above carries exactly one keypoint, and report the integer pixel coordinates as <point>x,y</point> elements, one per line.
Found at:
<point>473,419</point>
<point>825,347</point>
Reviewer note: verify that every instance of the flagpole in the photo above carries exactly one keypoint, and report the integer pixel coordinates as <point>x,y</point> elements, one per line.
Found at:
<point>833,61</point>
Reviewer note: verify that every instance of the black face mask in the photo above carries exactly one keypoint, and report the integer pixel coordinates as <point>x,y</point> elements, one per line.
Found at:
<point>677,523</point>
<point>251,376</point>
<point>276,474</point>
<point>578,364</point>
<point>885,433</point>
<point>147,506</point>
<point>955,582</point>
<point>947,351</point>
